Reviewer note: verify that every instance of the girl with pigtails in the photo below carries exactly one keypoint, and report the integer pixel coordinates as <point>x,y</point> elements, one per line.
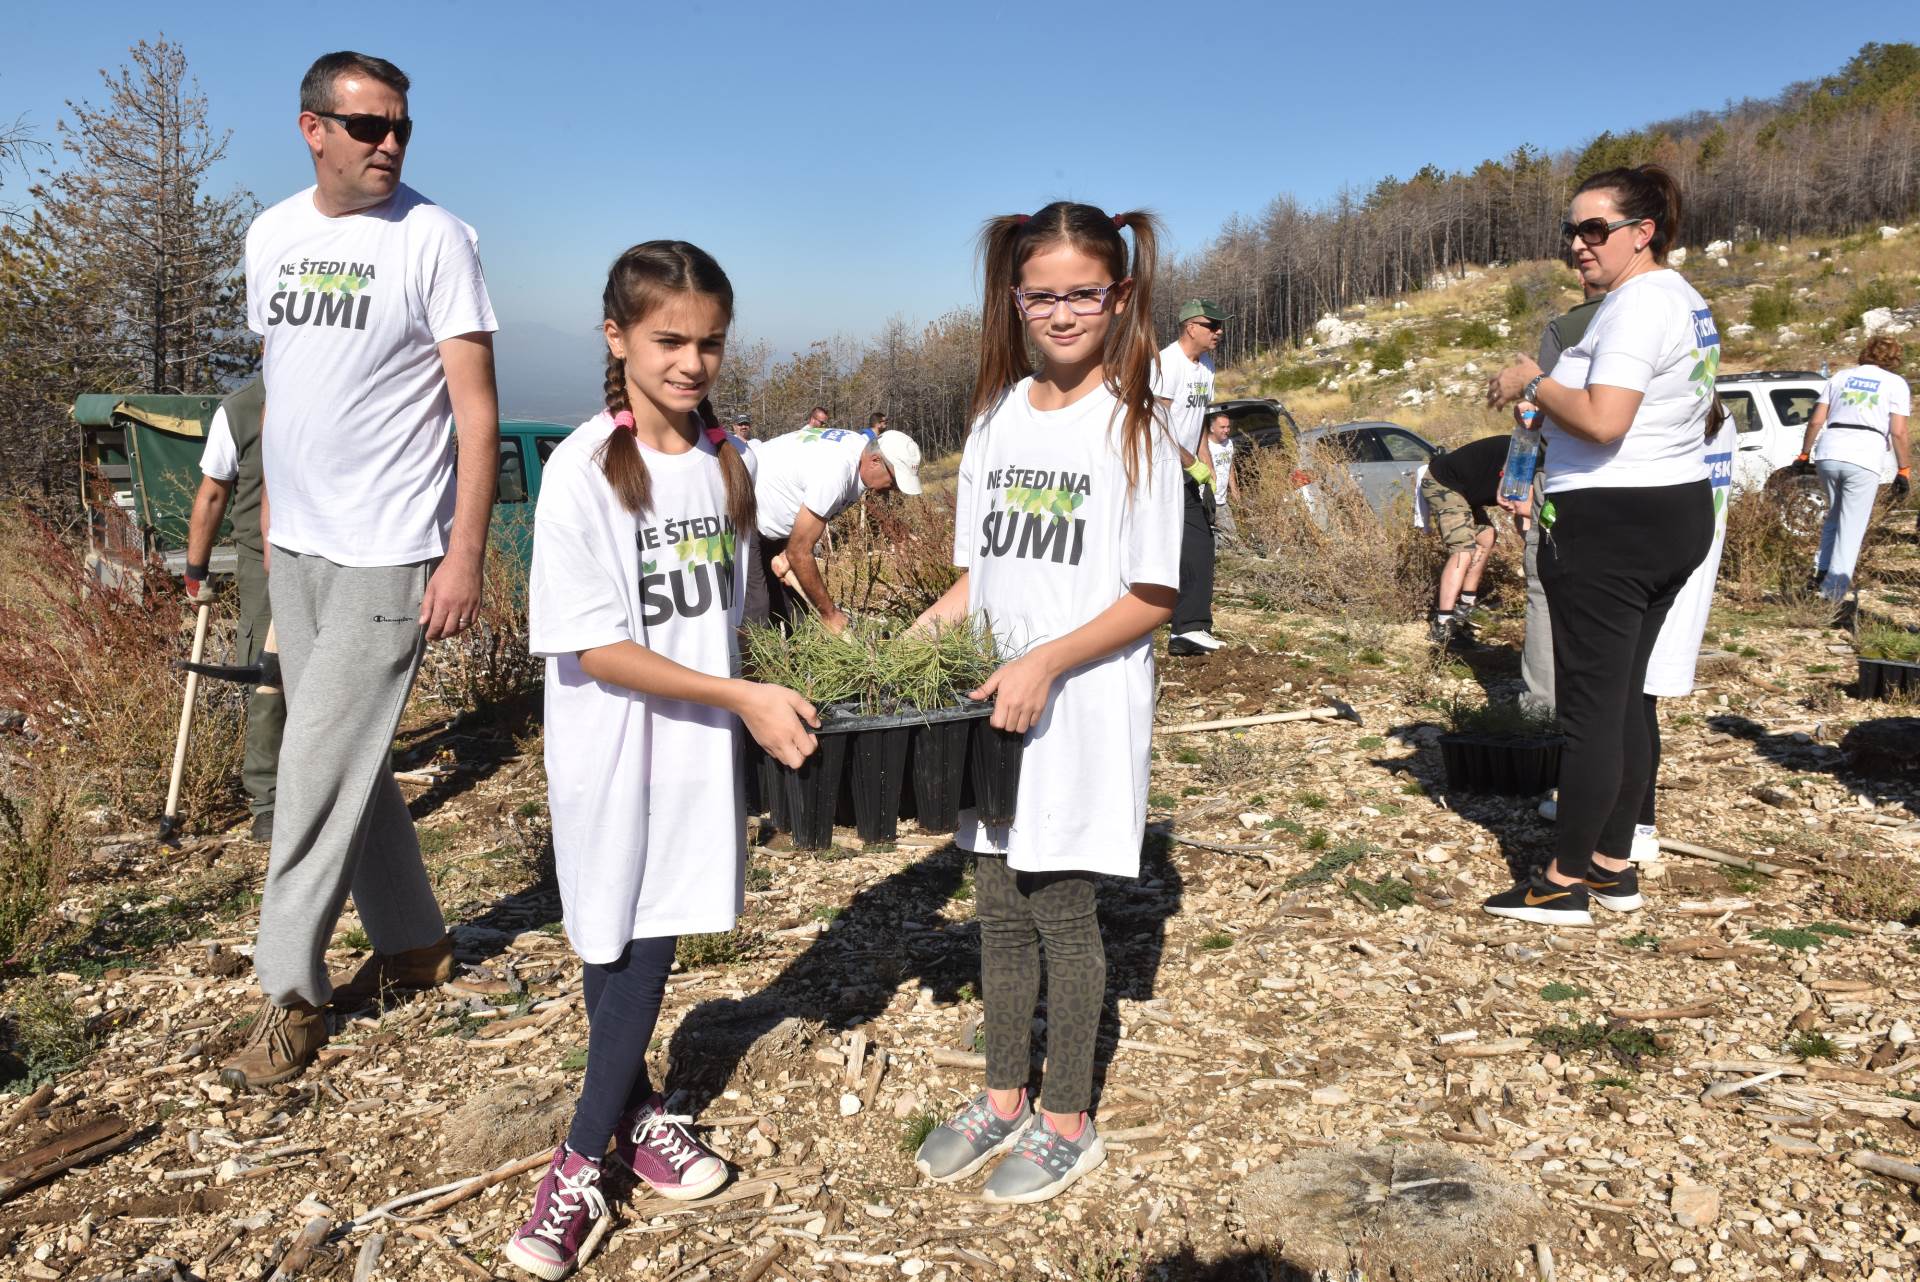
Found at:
<point>1068,537</point>
<point>634,601</point>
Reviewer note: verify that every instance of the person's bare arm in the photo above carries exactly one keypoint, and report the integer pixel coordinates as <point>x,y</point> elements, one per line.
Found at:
<point>1021,686</point>
<point>452,599</point>
<point>950,608</point>
<point>209,505</point>
<point>1597,413</point>
<point>1897,435</point>
<point>775,716</point>
<point>1814,424</point>
<point>807,529</point>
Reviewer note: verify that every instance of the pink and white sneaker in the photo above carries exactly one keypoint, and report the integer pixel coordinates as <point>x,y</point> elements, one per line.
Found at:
<point>569,1216</point>
<point>657,1147</point>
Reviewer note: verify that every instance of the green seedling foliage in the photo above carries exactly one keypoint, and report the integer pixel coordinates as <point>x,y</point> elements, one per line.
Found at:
<point>1383,895</point>
<point>1791,938</point>
<point>1468,716</point>
<point>1813,1046</point>
<point>1629,1043</point>
<point>1217,940</point>
<point>1559,992</point>
<point>1328,866</point>
<point>914,1131</point>
<point>1832,930</point>
<point>41,1035</point>
<point>1187,757</point>
<point>1884,641</point>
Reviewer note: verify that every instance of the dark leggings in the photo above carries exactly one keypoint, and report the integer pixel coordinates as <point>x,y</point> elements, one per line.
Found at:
<point>1612,563</point>
<point>1020,913</point>
<point>1193,601</point>
<point>623,1005</point>
<point>1653,758</point>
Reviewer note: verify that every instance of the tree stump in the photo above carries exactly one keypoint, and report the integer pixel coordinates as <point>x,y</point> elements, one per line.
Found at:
<point>1884,748</point>
<point>1410,1213</point>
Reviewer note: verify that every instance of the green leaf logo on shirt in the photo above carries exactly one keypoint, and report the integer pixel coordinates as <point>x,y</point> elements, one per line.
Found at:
<point>649,567</point>
<point>1059,503</point>
<point>334,282</point>
<point>713,547</point>
<point>1860,399</point>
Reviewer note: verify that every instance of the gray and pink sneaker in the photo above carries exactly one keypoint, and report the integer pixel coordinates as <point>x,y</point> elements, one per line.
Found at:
<point>656,1146</point>
<point>569,1213</point>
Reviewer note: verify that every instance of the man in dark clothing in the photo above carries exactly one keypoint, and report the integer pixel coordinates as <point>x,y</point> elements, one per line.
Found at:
<point>1459,487</point>
<point>230,486</point>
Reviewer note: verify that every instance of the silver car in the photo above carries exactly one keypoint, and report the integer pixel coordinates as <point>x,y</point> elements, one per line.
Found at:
<point>1383,458</point>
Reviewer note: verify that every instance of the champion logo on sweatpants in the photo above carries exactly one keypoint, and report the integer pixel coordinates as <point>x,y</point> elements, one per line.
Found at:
<point>385,618</point>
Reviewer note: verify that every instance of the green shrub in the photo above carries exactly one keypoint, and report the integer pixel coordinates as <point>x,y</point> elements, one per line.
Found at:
<point>1517,301</point>
<point>1477,333</point>
<point>40,1034</point>
<point>1394,352</point>
<point>1773,308</point>
<point>1878,292</point>
<point>1290,378</point>
<point>37,852</point>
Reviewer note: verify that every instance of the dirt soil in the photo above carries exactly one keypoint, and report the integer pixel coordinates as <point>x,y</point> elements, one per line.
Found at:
<point>1301,967</point>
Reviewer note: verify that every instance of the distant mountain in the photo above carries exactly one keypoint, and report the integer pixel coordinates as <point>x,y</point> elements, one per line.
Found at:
<point>549,373</point>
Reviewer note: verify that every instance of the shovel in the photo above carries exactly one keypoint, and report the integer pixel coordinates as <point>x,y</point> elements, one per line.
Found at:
<point>170,819</point>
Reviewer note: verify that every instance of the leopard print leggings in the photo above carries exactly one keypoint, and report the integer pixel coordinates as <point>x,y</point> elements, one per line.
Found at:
<point>1019,913</point>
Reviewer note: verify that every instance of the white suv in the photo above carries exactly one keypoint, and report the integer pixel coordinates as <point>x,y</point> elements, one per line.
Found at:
<point>1771,408</point>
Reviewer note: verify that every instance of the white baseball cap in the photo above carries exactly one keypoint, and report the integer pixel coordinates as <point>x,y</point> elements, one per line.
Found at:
<point>903,457</point>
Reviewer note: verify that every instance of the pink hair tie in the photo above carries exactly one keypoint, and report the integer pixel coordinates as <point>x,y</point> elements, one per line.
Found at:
<point>717,435</point>
<point>1023,219</point>
<point>623,421</point>
<point>1119,221</point>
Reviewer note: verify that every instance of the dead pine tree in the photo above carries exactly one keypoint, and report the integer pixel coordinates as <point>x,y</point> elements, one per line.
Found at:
<point>132,215</point>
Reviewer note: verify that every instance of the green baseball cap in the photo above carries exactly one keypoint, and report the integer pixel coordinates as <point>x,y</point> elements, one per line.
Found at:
<point>1202,308</point>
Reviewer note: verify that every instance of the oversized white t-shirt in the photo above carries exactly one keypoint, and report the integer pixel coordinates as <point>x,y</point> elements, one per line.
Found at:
<point>1188,385</point>
<point>649,835</point>
<point>1654,335</point>
<point>1050,538</point>
<point>817,468</point>
<point>356,445</point>
<point>220,457</point>
<point>1222,468</point>
<point>1859,402</point>
<point>1677,650</point>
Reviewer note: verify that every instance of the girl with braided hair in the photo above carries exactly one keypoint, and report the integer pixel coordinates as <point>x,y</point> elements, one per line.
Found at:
<point>1067,530</point>
<point>634,601</point>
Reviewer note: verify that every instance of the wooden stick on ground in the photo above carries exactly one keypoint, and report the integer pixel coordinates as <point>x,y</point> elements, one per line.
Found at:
<point>1721,857</point>
<point>758,1269</point>
<point>1699,1010</point>
<point>106,1135</point>
<point>369,1260</point>
<point>481,1183</point>
<point>301,1252</point>
<point>25,1108</point>
<point>1882,1165</point>
<point>1238,723</point>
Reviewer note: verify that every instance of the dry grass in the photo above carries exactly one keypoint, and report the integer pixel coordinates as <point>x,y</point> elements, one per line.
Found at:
<point>488,671</point>
<point>1876,890</point>
<point>1335,555</point>
<point>37,851</point>
<point>893,557</point>
<point>90,669</point>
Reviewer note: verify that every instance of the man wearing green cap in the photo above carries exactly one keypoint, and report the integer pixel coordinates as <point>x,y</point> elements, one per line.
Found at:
<point>1185,386</point>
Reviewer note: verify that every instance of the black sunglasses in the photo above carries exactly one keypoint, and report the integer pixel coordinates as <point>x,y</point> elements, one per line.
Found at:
<point>371,129</point>
<point>1215,326</point>
<point>1593,232</point>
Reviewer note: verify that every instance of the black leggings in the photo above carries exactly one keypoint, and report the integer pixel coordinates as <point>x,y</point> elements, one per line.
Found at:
<point>1653,758</point>
<point>1611,565</point>
<point>623,1005</point>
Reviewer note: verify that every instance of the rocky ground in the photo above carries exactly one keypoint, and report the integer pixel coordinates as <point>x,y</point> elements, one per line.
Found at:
<point>1301,970</point>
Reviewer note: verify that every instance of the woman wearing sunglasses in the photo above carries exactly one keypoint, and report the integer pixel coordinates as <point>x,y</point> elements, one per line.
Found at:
<point>1628,515</point>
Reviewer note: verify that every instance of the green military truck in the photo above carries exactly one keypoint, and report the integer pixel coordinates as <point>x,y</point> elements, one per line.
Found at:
<point>141,469</point>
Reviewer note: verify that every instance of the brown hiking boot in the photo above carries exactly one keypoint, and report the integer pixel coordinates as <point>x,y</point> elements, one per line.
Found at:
<point>427,967</point>
<point>284,1041</point>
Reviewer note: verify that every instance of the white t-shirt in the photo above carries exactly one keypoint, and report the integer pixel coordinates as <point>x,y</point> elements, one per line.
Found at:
<point>816,468</point>
<point>1859,402</point>
<point>1188,385</point>
<point>1222,468</point>
<point>649,834</point>
<point>1050,537</point>
<point>1677,649</point>
<point>220,457</point>
<point>357,450</point>
<point>1652,335</point>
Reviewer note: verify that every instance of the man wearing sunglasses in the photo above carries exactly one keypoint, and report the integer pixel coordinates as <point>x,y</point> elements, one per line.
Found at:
<point>1184,385</point>
<point>378,336</point>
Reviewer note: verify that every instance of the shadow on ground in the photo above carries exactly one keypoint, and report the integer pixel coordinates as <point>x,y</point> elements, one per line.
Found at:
<point>891,934</point>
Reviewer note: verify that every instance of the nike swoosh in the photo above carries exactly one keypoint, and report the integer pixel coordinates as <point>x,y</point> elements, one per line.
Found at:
<point>1602,885</point>
<point>1535,903</point>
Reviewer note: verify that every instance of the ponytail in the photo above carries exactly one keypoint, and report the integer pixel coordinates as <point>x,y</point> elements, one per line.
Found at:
<point>1644,192</point>
<point>1127,359</point>
<point>639,281</point>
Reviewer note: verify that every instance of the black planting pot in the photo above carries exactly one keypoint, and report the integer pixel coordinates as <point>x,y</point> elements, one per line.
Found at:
<point>939,767</point>
<point>1884,678</point>
<point>773,787</point>
<point>813,793</point>
<point>876,771</point>
<point>1501,763</point>
<point>993,772</point>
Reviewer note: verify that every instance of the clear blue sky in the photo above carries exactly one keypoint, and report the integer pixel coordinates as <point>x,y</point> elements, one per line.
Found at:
<point>838,158</point>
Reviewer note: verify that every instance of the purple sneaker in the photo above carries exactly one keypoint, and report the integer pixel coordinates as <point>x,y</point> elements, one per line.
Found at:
<point>656,1145</point>
<point>569,1215</point>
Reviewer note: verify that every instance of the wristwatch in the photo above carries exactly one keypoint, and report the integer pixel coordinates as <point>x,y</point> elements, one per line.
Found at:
<point>1532,386</point>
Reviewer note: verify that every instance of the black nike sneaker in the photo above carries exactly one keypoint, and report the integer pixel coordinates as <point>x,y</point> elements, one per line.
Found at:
<point>1539,900</point>
<point>1616,891</point>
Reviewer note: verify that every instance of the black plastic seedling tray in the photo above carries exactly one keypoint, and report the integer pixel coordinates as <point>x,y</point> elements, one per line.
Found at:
<point>1884,678</point>
<point>1497,764</point>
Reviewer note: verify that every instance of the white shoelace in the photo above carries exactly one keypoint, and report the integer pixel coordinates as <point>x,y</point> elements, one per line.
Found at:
<point>666,1138</point>
<point>568,1194</point>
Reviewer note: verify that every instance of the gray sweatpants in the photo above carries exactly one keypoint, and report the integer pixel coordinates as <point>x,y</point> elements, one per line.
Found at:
<point>1851,490</point>
<point>1536,654</point>
<point>350,643</point>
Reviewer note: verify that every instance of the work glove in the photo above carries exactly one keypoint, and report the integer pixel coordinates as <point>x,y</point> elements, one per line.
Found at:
<point>1901,485</point>
<point>1801,466</point>
<point>198,587</point>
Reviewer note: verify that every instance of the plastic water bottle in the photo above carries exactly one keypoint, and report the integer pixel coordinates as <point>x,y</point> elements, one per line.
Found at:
<point>1523,458</point>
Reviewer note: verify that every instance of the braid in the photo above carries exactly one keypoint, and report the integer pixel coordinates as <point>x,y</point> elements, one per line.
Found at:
<point>620,457</point>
